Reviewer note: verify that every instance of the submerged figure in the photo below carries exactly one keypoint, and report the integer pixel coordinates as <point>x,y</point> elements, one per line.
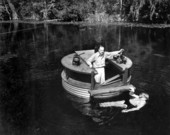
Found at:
<point>97,61</point>
<point>133,104</point>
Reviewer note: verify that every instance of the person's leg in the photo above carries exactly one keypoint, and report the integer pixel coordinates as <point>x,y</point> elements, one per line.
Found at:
<point>102,75</point>
<point>114,104</point>
<point>97,76</point>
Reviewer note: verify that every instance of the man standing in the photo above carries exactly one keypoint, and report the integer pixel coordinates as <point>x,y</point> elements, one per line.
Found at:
<point>97,61</point>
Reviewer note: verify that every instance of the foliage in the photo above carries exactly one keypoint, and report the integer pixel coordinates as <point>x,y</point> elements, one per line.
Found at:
<point>147,11</point>
<point>153,11</point>
<point>2,10</point>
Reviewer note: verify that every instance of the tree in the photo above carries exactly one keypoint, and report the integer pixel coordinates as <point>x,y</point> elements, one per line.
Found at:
<point>13,10</point>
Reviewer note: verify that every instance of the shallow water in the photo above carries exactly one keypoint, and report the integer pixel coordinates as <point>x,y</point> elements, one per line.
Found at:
<point>33,102</point>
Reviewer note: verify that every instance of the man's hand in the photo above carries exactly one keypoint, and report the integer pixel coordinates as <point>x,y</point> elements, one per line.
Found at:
<point>121,51</point>
<point>90,66</point>
<point>132,89</point>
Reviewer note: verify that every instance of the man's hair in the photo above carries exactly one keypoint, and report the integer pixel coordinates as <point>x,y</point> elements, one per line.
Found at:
<point>101,46</point>
<point>97,47</point>
<point>144,95</point>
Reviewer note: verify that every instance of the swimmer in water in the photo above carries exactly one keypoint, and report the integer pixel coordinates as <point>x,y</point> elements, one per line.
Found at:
<point>133,104</point>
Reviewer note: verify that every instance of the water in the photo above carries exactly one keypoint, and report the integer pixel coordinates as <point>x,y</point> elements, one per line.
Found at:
<point>33,102</point>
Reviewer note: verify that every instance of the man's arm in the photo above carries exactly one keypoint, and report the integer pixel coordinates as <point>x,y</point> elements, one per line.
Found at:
<point>91,60</point>
<point>130,110</point>
<point>132,92</point>
<point>114,53</point>
<point>134,95</point>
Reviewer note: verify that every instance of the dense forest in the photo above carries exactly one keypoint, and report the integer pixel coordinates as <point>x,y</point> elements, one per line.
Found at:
<point>105,11</point>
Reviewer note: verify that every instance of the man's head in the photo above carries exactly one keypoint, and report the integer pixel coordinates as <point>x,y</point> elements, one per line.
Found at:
<point>144,95</point>
<point>101,50</point>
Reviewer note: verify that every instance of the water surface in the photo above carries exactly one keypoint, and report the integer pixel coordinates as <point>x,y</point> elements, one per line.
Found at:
<point>32,100</point>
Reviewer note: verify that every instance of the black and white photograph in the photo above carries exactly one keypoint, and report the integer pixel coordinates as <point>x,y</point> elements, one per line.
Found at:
<point>84,67</point>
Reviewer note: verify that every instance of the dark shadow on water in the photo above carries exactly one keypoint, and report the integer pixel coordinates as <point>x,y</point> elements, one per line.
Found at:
<point>14,97</point>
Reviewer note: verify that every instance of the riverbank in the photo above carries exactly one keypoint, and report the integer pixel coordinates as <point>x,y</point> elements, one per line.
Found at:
<point>83,24</point>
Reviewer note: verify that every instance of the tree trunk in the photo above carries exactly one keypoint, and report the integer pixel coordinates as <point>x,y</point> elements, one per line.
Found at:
<point>14,13</point>
<point>120,5</point>
<point>45,13</point>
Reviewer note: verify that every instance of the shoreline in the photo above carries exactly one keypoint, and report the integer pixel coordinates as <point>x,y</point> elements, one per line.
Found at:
<point>84,24</point>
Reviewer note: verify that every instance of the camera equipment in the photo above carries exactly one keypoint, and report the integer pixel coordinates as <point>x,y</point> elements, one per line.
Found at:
<point>120,58</point>
<point>76,60</point>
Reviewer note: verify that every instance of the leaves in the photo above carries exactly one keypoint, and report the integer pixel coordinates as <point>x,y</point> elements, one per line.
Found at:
<point>147,11</point>
<point>2,9</point>
<point>153,10</point>
<point>2,12</point>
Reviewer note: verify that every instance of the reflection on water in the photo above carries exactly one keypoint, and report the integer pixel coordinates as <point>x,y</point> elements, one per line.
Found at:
<point>32,100</point>
<point>99,115</point>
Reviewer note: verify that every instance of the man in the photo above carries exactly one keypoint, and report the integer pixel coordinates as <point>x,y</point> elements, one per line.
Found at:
<point>97,61</point>
<point>133,104</point>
